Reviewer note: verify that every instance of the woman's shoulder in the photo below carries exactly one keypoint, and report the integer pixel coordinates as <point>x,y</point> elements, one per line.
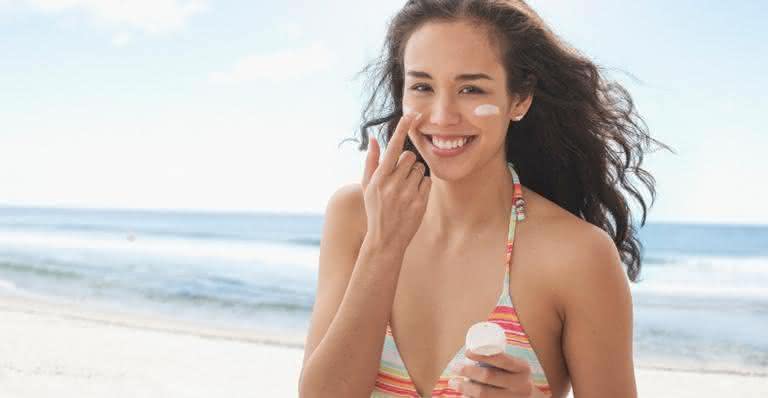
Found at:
<point>346,208</point>
<point>571,251</point>
<point>561,228</point>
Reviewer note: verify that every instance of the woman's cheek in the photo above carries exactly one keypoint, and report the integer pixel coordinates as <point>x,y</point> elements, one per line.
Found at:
<point>410,105</point>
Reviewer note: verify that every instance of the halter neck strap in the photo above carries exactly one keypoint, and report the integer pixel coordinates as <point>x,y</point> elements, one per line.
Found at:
<point>518,202</point>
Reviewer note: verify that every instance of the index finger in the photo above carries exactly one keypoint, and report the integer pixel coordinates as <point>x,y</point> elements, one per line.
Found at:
<point>397,142</point>
<point>501,360</point>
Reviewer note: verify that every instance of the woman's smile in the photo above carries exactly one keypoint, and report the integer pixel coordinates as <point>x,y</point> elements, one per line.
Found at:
<point>448,145</point>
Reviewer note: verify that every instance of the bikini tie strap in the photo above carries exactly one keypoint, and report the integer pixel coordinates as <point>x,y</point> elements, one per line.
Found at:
<point>518,200</point>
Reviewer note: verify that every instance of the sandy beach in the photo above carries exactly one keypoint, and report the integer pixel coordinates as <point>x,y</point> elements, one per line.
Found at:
<point>53,350</point>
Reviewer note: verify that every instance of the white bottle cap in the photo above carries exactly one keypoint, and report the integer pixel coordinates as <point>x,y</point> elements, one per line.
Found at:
<point>486,338</point>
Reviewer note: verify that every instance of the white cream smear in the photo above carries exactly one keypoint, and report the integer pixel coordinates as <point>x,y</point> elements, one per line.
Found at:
<point>487,110</point>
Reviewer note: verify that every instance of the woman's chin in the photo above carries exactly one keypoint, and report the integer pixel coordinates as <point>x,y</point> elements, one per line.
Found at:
<point>448,171</point>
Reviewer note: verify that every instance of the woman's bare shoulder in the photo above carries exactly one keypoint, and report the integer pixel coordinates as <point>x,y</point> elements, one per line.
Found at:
<point>560,228</point>
<point>346,207</point>
<point>570,248</point>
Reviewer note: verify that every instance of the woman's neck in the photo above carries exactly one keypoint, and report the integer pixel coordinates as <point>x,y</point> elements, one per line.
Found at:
<point>473,204</point>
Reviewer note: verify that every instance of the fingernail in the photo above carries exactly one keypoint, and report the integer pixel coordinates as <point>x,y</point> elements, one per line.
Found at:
<point>478,354</point>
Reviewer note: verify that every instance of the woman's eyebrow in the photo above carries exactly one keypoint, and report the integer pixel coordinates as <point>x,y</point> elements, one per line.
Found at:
<point>461,77</point>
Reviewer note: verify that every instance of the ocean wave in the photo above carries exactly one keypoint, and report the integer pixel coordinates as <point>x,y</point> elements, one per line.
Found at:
<point>165,249</point>
<point>162,284</point>
<point>657,261</point>
<point>702,291</point>
<point>243,304</point>
<point>39,270</point>
<point>8,286</point>
<point>305,241</point>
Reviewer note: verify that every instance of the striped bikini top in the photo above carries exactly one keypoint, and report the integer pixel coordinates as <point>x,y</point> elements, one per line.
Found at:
<point>393,379</point>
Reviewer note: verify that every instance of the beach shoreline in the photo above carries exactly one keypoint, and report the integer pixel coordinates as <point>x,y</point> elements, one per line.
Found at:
<point>52,349</point>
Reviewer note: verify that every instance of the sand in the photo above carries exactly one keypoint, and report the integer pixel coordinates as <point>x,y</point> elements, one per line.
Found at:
<point>49,350</point>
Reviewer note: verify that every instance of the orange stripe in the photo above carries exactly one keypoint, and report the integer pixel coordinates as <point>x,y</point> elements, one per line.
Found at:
<point>392,379</point>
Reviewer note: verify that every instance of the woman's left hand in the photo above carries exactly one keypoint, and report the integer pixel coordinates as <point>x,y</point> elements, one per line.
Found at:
<point>509,377</point>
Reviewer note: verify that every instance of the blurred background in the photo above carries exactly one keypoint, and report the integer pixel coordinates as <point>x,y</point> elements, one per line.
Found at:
<point>175,158</point>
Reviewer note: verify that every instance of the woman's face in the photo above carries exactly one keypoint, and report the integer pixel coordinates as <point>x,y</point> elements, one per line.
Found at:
<point>454,77</point>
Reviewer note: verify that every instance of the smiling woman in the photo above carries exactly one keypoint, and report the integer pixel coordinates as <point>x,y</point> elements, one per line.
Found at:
<point>467,94</point>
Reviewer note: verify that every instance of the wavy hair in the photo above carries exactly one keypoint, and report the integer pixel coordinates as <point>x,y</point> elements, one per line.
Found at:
<point>580,141</point>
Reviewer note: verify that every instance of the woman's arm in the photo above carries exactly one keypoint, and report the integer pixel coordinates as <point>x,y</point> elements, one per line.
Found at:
<point>597,333</point>
<point>347,328</point>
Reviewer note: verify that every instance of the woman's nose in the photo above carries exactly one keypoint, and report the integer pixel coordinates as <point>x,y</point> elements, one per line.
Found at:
<point>444,112</point>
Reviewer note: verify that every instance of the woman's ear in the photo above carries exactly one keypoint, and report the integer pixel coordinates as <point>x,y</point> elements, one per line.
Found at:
<point>518,109</point>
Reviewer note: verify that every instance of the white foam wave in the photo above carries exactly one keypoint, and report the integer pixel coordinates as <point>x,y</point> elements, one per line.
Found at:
<point>265,254</point>
<point>703,291</point>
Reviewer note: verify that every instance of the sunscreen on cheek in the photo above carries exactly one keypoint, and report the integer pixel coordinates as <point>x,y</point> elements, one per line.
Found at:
<point>487,110</point>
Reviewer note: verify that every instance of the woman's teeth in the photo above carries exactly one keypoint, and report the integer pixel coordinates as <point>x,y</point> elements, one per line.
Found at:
<point>449,144</point>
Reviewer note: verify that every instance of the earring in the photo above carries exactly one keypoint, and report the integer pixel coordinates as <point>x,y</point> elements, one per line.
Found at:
<point>517,118</point>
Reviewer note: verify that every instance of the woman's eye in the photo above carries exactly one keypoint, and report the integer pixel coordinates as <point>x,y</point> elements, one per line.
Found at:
<point>475,90</point>
<point>467,90</point>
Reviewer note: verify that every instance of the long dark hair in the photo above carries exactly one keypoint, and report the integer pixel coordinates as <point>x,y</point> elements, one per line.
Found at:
<point>579,142</point>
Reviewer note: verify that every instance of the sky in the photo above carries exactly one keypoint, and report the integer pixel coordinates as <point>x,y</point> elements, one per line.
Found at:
<point>242,105</point>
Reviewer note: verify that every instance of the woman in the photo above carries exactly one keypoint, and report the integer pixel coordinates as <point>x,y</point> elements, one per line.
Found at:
<point>498,136</point>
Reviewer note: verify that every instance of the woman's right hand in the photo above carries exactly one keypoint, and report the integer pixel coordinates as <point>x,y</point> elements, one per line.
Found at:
<point>395,189</point>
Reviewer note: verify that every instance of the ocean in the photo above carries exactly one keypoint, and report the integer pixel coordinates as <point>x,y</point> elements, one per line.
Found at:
<point>701,304</point>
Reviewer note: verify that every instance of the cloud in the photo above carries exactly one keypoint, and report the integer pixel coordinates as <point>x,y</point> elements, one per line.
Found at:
<point>122,39</point>
<point>148,16</point>
<point>286,28</point>
<point>286,64</point>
